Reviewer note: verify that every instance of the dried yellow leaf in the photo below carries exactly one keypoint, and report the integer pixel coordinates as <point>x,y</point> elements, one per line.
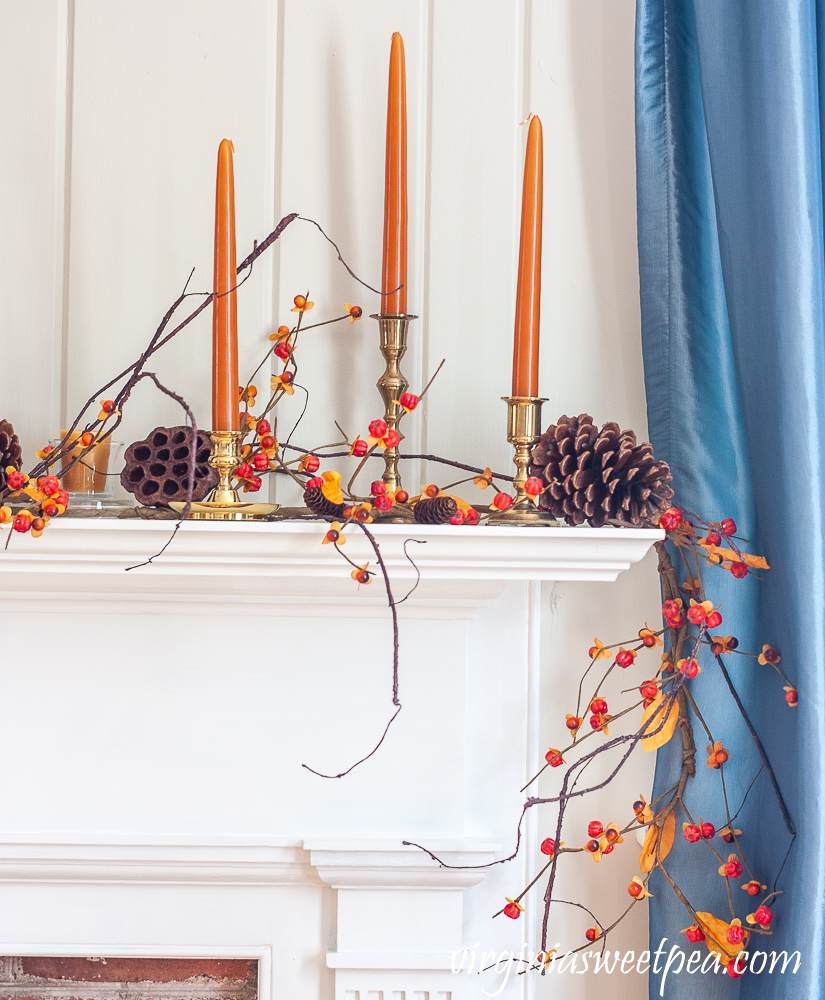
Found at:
<point>716,937</point>
<point>655,712</point>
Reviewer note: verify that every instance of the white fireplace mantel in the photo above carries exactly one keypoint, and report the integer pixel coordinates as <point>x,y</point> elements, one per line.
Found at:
<point>157,721</point>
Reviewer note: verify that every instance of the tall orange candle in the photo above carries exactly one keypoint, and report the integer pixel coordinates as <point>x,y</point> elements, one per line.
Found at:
<point>225,415</point>
<point>528,294</point>
<point>395,187</point>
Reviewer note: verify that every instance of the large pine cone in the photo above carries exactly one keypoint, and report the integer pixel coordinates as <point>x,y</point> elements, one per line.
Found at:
<point>599,475</point>
<point>318,503</point>
<point>435,510</point>
<point>157,468</point>
<point>10,453</point>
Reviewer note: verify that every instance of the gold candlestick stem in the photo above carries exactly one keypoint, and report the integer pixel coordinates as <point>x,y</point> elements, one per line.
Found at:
<point>392,385</point>
<point>223,503</point>
<point>523,431</point>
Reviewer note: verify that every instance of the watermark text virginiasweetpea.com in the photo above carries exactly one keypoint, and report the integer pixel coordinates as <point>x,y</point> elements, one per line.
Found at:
<point>666,962</point>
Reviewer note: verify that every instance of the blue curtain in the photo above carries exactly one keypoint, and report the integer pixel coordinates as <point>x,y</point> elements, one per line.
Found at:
<point>729,97</point>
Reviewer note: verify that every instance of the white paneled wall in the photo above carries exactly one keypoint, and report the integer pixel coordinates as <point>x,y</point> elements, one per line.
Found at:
<point>113,111</point>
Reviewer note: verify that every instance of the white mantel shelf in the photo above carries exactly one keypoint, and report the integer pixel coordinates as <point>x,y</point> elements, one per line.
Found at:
<point>256,564</point>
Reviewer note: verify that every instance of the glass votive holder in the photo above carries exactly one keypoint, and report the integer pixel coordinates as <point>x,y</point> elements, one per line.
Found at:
<point>90,482</point>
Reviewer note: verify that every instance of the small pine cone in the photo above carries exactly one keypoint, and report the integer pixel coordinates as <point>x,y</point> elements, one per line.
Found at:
<point>10,453</point>
<point>599,475</point>
<point>435,510</point>
<point>318,503</point>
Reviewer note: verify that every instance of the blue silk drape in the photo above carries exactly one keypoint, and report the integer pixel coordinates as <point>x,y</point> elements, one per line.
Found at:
<point>729,118</point>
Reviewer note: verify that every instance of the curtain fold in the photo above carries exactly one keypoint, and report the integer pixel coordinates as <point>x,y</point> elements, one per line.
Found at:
<point>729,99</point>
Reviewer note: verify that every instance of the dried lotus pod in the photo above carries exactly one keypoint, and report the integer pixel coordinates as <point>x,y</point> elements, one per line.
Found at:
<point>157,468</point>
<point>320,505</point>
<point>599,475</point>
<point>10,452</point>
<point>435,510</point>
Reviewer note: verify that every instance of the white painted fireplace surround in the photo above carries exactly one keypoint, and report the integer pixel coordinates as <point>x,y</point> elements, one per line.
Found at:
<point>156,722</point>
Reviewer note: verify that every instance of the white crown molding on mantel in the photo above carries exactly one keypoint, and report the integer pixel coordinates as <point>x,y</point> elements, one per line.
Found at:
<point>281,568</point>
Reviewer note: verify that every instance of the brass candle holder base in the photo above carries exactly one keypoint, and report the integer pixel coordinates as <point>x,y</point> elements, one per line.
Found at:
<point>223,503</point>
<point>392,385</point>
<point>523,431</point>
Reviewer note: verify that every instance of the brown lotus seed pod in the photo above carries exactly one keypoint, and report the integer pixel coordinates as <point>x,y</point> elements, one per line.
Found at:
<point>157,468</point>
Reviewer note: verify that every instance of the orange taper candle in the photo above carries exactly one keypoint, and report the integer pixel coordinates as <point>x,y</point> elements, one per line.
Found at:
<point>395,187</point>
<point>528,295</point>
<point>225,407</point>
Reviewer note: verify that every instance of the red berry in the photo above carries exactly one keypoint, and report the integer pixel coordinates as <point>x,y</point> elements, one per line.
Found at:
<point>269,442</point>
<point>548,846</point>
<point>695,934</point>
<point>401,496</point>
<point>244,471</point>
<point>471,517</point>
<point>50,485</point>
<point>263,427</point>
<point>792,697</point>
<point>713,538</point>
<point>624,658</point>
<point>22,522</point>
<point>729,526</point>
<point>735,969</point>
<point>61,497</point>
<point>383,502</point>
<point>739,570</point>
<point>763,915</point>
<point>378,428</point>
<point>533,486</point>
<point>671,519</point>
<point>38,524</point>
<point>362,515</point>
<point>458,517</point>
<point>16,480</point>
<point>649,641</point>
<point>733,869</point>
<point>649,689</point>
<point>735,934</point>
<point>598,706</point>
<point>283,350</point>
<point>591,933</point>
<point>692,833</point>
<point>754,888</point>
<point>553,757</point>
<point>501,501</point>
<point>50,509</point>
<point>392,439</point>
<point>771,655</point>
<point>635,888</point>
<point>572,723</point>
<point>609,849</point>
<point>512,910</point>
<point>431,490</point>
<point>86,439</point>
<point>708,830</point>
<point>696,614</point>
<point>727,837</point>
<point>287,377</point>
<point>595,722</point>
<point>713,620</point>
<point>722,757</point>
<point>638,806</point>
<point>356,312</point>
<point>378,488</point>
<point>333,536</point>
<point>255,485</point>
<point>260,461</point>
<point>592,846</point>
<point>360,448</point>
<point>108,406</point>
<point>300,301</point>
<point>315,484</point>
<point>409,401</point>
<point>595,829</point>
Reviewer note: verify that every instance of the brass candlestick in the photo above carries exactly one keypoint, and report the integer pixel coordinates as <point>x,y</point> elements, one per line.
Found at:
<point>523,431</point>
<point>392,385</point>
<point>223,503</point>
